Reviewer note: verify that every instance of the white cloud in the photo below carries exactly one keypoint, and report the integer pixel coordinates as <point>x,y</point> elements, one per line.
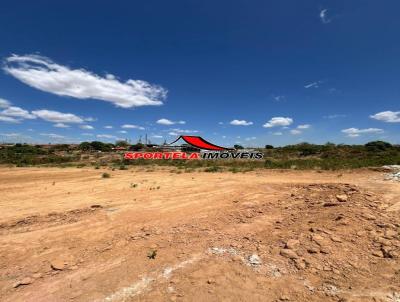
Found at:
<point>278,121</point>
<point>387,116</point>
<point>4,103</point>
<point>122,131</point>
<point>240,123</point>
<point>157,136</point>
<point>86,127</point>
<point>87,134</point>
<point>277,133</point>
<point>8,119</point>
<point>43,74</point>
<point>323,15</point>
<point>90,119</point>
<point>250,138</point>
<point>312,85</point>
<point>17,112</point>
<point>295,132</point>
<point>10,134</point>
<point>61,125</point>
<point>53,135</point>
<point>108,127</point>
<point>220,123</point>
<point>333,116</point>
<point>279,98</point>
<point>107,136</point>
<point>129,126</point>
<point>355,132</point>
<point>57,117</point>
<point>14,114</point>
<point>168,122</point>
<point>177,130</point>
<point>299,129</point>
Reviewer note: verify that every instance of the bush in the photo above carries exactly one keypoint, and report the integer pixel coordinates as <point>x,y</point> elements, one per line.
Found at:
<point>212,169</point>
<point>377,146</point>
<point>105,175</point>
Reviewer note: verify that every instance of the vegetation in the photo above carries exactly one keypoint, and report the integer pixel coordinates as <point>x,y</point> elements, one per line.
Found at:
<point>26,155</point>
<point>300,156</point>
<point>95,146</point>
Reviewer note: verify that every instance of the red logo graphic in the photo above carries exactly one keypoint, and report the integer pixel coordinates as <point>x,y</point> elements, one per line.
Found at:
<point>201,143</point>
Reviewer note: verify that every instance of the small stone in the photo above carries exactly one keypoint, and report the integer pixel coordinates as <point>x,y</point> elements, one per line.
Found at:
<point>390,234</point>
<point>57,264</point>
<point>300,264</point>
<point>318,239</point>
<point>288,254</point>
<point>324,250</point>
<point>25,281</point>
<point>369,216</point>
<point>255,260</point>
<point>96,206</point>
<point>313,250</point>
<point>378,254</point>
<point>360,233</point>
<point>292,244</point>
<point>383,241</point>
<point>336,239</point>
<point>342,198</point>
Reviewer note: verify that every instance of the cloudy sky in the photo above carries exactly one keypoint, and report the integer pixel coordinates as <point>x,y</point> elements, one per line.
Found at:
<point>248,72</point>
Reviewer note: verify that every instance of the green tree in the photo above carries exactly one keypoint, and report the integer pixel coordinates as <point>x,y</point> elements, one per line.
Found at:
<point>121,143</point>
<point>377,146</point>
<point>85,146</point>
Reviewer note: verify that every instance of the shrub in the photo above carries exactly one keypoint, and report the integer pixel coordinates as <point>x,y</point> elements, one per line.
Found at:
<point>212,169</point>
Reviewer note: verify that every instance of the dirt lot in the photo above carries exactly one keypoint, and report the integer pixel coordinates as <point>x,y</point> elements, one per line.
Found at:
<point>140,235</point>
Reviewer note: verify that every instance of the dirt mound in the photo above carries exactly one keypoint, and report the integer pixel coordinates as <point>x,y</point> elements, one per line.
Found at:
<point>36,222</point>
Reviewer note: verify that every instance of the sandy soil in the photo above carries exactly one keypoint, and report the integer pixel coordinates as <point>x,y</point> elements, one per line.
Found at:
<point>140,235</point>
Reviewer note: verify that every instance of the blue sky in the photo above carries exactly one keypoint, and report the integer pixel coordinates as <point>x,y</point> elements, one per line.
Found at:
<point>249,72</point>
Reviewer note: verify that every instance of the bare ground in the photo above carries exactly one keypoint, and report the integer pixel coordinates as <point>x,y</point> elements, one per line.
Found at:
<point>70,235</point>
